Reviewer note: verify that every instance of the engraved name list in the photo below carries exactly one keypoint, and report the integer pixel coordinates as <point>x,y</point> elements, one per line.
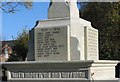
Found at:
<point>51,41</point>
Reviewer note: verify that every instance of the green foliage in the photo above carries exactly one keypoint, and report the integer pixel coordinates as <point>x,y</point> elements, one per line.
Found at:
<point>106,18</point>
<point>21,44</point>
<point>13,57</point>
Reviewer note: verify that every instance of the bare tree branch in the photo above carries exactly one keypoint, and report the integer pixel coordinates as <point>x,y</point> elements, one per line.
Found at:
<point>12,7</point>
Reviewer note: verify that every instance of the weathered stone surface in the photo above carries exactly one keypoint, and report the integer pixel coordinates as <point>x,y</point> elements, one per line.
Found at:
<point>52,43</point>
<point>48,71</point>
<point>63,9</point>
<point>78,38</point>
<point>60,71</point>
<point>31,47</point>
<point>91,43</point>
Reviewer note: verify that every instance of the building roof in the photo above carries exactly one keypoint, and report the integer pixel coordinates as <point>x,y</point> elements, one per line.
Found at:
<point>9,42</point>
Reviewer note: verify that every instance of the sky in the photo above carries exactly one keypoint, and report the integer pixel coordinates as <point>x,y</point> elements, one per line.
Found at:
<point>12,24</point>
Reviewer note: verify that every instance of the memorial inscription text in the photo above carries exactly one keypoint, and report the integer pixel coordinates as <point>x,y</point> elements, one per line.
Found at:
<point>92,42</point>
<point>50,41</point>
<point>42,75</point>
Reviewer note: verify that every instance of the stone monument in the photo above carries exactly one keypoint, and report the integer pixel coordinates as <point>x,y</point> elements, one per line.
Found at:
<point>64,36</point>
<point>63,48</point>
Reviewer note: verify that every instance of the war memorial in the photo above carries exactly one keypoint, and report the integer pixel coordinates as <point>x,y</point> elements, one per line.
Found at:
<point>63,48</point>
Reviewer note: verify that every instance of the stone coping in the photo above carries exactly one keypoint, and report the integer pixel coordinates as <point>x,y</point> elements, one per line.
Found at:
<point>65,62</point>
<point>81,63</point>
<point>105,63</point>
<point>66,18</point>
<point>36,64</point>
<point>75,61</point>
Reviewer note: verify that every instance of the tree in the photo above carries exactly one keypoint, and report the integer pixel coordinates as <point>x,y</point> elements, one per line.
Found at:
<point>21,44</point>
<point>106,18</point>
<point>12,7</point>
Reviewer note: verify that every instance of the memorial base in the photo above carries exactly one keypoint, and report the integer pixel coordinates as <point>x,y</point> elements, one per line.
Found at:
<point>103,70</point>
<point>60,71</point>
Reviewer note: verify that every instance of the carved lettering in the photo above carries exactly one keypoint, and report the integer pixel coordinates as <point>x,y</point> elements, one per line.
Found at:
<point>81,74</point>
<point>47,44</point>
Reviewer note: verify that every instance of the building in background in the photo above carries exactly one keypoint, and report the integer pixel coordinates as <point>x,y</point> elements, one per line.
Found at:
<point>9,42</point>
<point>6,50</point>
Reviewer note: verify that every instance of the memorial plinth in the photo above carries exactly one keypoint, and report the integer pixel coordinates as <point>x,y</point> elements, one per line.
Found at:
<point>66,37</point>
<point>63,36</point>
<point>60,71</point>
<point>63,48</point>
<point>48,71</point>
